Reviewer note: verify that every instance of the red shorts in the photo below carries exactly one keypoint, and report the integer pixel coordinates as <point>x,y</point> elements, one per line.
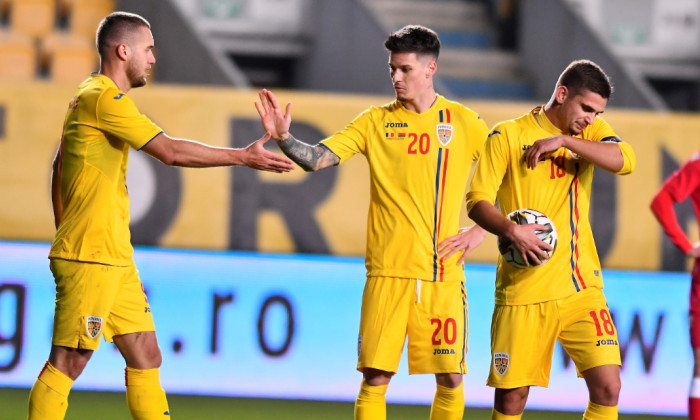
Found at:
<point>695,305</point>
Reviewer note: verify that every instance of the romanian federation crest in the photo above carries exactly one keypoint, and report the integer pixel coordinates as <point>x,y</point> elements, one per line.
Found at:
<point>500,362</point>
<point>444,133</point>
<point>94,326</point>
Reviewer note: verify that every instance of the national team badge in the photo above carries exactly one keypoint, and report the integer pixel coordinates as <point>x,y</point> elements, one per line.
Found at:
<point>94,326</point>
<point>444,133</point>
<point>500,362</point>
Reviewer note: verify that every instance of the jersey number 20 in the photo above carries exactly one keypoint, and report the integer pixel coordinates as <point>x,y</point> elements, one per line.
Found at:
<point>449,331</point>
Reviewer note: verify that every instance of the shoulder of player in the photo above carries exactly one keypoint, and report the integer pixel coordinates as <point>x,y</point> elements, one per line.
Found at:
<point>600,130</point>
<point>695,159</point>
<point>600,122</point>
<point>377,111</point>
<point>506,128</point>
<point>458,108</point>
<point>111,98</point>
<point>692,166</point>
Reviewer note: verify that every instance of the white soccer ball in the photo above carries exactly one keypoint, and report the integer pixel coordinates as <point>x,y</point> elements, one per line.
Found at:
<point>525,217</point>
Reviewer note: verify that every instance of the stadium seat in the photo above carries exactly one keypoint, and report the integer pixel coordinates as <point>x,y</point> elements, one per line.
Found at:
<point>68,58</point>
<point>17,57</point>
<point>85,15</point>
<point>35,18</point>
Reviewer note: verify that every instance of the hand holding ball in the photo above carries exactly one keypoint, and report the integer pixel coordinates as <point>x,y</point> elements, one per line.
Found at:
<point>524,217</point>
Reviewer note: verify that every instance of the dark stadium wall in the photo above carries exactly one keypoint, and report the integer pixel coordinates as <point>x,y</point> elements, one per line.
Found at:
<point>347,52</point>
<point>551,36</point>
<point>183,57</point>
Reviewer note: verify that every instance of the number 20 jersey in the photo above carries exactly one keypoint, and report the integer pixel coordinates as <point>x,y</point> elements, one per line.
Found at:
<point>559,187</point>
<point>419,166</point>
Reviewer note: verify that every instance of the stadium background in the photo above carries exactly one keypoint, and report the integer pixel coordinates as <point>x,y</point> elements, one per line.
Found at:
<point>242,247</point>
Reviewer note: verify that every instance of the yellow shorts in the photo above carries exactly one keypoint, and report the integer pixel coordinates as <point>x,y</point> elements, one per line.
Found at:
<point>433,314</point>
<point>95,299</point>
<point>523,338</point>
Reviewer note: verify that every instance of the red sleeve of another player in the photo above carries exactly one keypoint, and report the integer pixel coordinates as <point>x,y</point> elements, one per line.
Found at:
<point>675,190</point>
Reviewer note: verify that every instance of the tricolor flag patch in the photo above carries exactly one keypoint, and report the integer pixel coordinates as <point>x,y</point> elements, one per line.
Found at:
<point>394,136</point>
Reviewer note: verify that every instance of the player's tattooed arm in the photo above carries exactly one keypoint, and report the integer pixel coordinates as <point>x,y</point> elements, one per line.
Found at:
<point>309,158</point>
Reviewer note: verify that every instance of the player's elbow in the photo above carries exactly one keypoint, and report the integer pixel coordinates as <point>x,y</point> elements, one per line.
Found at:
<point>164,150</point>
<point>629,160</point>
<point>167,158</point>
<point>627,167</point>
<point>308,167</point>
<point>170,151</point>
<point>659,202</point>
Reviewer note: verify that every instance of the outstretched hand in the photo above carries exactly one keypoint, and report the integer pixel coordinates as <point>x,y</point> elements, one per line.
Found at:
<point>273,118</point>
<point>257,157</point>
<point>467,239</point>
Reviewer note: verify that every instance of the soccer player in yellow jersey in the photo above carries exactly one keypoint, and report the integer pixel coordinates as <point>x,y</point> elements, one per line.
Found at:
<point>544,160</point>
<point>98,290</point>
<point>420,149</point>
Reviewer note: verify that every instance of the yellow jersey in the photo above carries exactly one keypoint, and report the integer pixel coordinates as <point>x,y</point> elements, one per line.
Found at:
<point>560,187</point>
<point>101,124</point>
<point>419,166</point>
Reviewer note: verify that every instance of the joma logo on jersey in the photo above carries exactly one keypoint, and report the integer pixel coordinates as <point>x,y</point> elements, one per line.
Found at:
<point>606,343</point>
<point>443,351</point>
<point>396,125</point>
<point>526,146</point>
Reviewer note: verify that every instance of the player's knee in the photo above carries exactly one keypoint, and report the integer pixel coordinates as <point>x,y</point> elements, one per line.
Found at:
<point>156,361</point>
<point>75,367</point>
<point>71,362</point>
<point>511,401</point>
<point>153,357</point>
<point>607,393</point>
<point>376,377</point>
<point>449,380</point>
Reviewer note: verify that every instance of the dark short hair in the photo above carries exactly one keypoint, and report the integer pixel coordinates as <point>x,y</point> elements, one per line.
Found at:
<point>414,39</point>
<point>116,27</point>
<point>585,74</point>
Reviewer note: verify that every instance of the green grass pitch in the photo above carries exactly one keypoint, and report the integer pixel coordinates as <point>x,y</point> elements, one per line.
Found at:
<point>85,405</point>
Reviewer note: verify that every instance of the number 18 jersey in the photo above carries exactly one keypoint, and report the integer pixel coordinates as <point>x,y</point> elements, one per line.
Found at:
<point>559,187</point>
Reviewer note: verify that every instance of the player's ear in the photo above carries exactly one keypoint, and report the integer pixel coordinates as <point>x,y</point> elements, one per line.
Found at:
<point>122,51</point>
<point>431,68</point>
<point>561,93</point>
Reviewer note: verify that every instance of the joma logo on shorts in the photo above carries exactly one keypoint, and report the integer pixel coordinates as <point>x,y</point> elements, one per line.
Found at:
<point>398,124</point>
<point>443,351</point>
<point>606,343</point>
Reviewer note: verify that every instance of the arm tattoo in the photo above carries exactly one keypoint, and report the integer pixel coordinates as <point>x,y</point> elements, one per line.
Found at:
<point>310,158</point>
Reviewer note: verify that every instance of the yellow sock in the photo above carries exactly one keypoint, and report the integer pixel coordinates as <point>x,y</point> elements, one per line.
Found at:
<point>600,412</point>
<point>48,399</point>
<point>144,396</point>
<point>496,415</point>
<point>448,403</point>
<point>371,403</point>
